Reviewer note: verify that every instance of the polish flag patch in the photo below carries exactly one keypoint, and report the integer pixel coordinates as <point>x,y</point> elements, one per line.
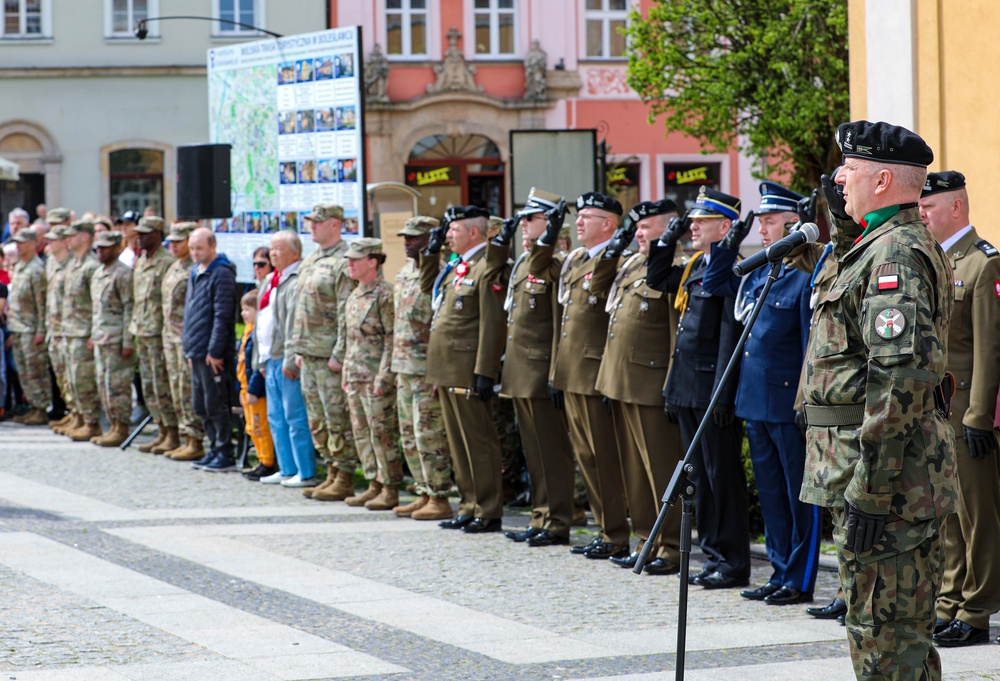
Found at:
<point>888,282</point>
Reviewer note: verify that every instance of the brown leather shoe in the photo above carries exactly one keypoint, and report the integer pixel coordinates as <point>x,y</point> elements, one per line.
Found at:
<point>171,440</point>
<point>85,432</point>
<point>415,505</point>
<point>437,508</point>
<point>341,489</point>
<point>160,435</point>
<point>374,489</point>
<point>386,500</point>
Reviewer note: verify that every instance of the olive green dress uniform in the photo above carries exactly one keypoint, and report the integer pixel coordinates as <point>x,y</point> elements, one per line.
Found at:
<point>26,319</point>
<point>111,293</point>
<point>467,338</point>
<point>147,327</point>
<point>77,309</point>
<point>533,320</point>
<point>175,283</point>
<point>323,286</point>
<point>55,339</point>
<point>634,369</point>
<point>970,589</point>
<point>579,349</point>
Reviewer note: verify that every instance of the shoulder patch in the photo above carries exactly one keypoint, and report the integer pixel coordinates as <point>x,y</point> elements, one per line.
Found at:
<point>987,248</point>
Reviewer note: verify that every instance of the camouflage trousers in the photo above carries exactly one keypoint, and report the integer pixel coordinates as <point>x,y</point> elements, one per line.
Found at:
<point>513,467</point>
<point>155,380</point>
<point>422,436</point>
<point>83,379</point>
<point>329,417</point>
<point>890,595</point>
<point>33,369</point>
<point>114,380</point>
<point>60,367</point>
<point>179,373</point>
<point>373,419</point>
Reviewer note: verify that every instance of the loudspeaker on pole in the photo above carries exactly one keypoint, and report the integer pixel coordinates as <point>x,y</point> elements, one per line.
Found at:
<point>203,181</point>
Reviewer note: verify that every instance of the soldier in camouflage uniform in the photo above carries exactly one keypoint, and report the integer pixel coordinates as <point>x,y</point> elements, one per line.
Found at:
<point>880,453</point>
<point>76,327</point>
<point>324,286</point>
<point>366,322</point>
<point>173,292</point>
<point>147,327</point>
<point>26,320</point>
<point>56,267</point>
<point>113,344</point>
<point>421,426</point>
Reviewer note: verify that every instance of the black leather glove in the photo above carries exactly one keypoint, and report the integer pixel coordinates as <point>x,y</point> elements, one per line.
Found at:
<point>556,397</point>
<point>724,416</point>
<point>675,230</point>
<point>670,411</point>
<point>981,442</point>
<point>555,217</point>
<point>484,387</point>
<point>806,208</point>
<point>507,231</point>
<point>738,232</point>
<point>834,196</point>
<point>621,238</point>
<point>437,238</point>
<point>863,529</point>
<point>800,421</point>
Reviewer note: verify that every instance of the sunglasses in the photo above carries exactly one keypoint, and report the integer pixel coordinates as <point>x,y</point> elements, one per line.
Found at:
<point>260,263</point>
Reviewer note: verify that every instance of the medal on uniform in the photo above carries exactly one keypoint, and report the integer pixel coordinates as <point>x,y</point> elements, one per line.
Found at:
<point>531,302</point>
<point>586,281</point>
<point>459,304</point>
<point>592,299</point>
<point>643,305</point>
<point>889,323</point>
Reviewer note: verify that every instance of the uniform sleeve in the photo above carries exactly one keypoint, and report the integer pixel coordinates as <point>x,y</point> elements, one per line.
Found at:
<point>343,289</point>
<point>661,274</point>
<point>605,271</point>
<point>430,265</point>
<point>540,259</point>
<point>492,322</point>
<point>805,316</point>
<point>729,336</point>
<point>38,291</point>
<point>986,348</point>
<point>385,380</point>
<point>719,279</point>
<point>805,257</point>
<point>124,285</point>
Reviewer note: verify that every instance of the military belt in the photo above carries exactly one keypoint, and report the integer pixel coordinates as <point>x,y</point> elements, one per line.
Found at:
<point>835,415</point>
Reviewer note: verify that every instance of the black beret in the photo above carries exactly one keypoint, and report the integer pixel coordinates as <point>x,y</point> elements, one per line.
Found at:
<point>648,209</point>
<point>883,142</point>
<point>600,201</point>
<point>945,181</point>
<point>465,213</point>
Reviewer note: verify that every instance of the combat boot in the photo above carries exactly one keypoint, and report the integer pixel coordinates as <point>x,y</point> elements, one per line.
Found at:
<point>35,417</point>
<point>61,422</point>
<point>415,505</point>
<point>170,441</point>
<point>374,489</point>
<point>342,487</point>
<point>331,475</point>
<point>438,508</point>
<point>387,499</point>
<point>116,435</point>
<point>85,432</point>
<point>192,451</point>
<point>74,423</point>
<point>160,436</point>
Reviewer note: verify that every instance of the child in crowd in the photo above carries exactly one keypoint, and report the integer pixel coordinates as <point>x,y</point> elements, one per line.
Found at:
<point>252,395</point>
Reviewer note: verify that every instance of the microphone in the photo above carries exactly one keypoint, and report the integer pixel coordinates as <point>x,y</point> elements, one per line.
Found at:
<point>806,234</point>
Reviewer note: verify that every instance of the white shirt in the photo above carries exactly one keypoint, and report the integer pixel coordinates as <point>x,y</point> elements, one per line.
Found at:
<point>955,238</point>
<point>592,252</point>
<point>472,251</point>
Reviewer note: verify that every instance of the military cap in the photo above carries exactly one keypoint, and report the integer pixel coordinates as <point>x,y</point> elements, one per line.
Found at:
<point>944,181</point>
<point>325,211</point>
<point>777,199</point>
<point>599,201</point>
<point>57,232</point>
<point>80,226</point>
<point>131,216</point>
<point>181,231</point>
<point>712,203</point>
<point>25,235</point>
<point>883,142</point>
<point>647,209</point>
<point>150,224</point>
<point>418,225</point>
<point>539,201</point>
<point>364,247</point>
<point>58,215</point>
<point>108,239</point>
<point>466,213</point>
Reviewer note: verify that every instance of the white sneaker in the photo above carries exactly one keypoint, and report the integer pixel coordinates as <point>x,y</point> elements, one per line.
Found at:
<point>297,481</point>
<point>276,478</point>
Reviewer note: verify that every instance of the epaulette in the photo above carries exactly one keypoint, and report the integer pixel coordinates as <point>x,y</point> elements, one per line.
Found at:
<point>987,248</point>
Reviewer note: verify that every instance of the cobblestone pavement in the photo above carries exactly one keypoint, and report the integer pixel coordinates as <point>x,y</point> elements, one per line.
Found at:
<point>122,565</point>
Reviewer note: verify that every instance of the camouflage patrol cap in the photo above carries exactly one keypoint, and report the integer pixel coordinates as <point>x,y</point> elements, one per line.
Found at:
<point>150,224</point>
<point>25,235</point>
<point>363,248</point>
<point>326,211</point>
<point>418,225</point>
<point>80,226</point>
<point>181,231</point>
<point>109,239</point>
<point>57,232</point>
<point>58,216</point>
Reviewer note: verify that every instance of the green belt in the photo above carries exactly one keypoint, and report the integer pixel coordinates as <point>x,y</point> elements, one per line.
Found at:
<point>835,415</point>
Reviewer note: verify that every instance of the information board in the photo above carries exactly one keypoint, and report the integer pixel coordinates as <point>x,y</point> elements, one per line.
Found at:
<point>292,109</point>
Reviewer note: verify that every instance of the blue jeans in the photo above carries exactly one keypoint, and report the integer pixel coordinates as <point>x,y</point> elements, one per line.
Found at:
<point>286,414</point>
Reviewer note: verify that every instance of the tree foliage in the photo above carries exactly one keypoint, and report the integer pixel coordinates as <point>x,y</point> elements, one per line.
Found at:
<point>769,75</point>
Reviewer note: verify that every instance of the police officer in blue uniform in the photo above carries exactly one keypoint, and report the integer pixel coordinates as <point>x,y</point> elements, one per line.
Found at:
<point>765,398</point>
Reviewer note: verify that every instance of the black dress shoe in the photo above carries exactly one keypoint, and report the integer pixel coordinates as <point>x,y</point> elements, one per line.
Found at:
<point>830,611</point>
<point>941,624</point>
<point>628,561</point>
<point>761,592</point>
<point>788,595</point>
<point>586,547</point>
<point>546,538</point>
<point>702,573</point>
<point>456,523</point>
<point>718,580</point>
<point>960,634</point>
<point>842,620</point>
<point>483,525</point>
<point>606,550</point>
<point>522,536</point>
<point>661,566</point>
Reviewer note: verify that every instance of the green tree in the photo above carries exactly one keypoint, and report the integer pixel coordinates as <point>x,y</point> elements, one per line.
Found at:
<point>770,75</point>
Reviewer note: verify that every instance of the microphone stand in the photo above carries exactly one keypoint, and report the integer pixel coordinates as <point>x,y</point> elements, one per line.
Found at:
<point>681,484</point>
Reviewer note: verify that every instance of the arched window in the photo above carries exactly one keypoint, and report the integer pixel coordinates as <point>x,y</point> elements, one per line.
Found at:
<point>454,170</point>
<point>136,180</point>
